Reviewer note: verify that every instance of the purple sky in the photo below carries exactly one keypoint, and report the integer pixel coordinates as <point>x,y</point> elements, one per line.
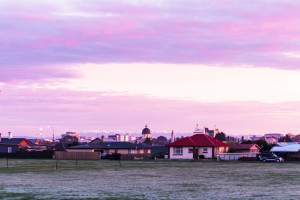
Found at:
<point>117,65</point>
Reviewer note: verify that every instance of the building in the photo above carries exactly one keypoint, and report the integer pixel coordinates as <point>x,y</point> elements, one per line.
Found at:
<point>70,137</point>
<point>245,148</point>
<point>206,131</point>
<point>196,146</point>
<point>146,133</point>
<point>296,138</point>
<point>273,135</point>
<point>289,151</point>
<point>12,145</point>
<point>121,138</point>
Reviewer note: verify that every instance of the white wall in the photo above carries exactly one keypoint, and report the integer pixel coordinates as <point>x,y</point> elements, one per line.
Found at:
<point>206,155</point>
<point>185,153</point>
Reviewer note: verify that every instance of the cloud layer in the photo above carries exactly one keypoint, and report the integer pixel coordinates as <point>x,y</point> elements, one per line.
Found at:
<point>233,33</point>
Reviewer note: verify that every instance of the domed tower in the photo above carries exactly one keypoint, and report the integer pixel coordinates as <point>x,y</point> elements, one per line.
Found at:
<point>146,133</point>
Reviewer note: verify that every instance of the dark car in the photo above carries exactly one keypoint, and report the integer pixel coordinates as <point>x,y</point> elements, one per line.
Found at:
<point>270,157</point>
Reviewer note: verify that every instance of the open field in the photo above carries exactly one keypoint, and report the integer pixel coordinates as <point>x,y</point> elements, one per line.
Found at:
<point>38,179</point>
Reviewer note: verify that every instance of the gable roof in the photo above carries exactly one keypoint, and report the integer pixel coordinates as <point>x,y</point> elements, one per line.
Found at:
<point>245,146</point>
<point>198,140</point>
<point>13,141</point>
<point>33,141</point>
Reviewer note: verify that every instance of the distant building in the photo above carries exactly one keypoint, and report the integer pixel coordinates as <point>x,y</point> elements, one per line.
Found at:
<point>70,137</point>
<point>296,138</point>
<point>206,131</point>
<point>120,138</point>
<point>146,133</point>
<point>273,135</point>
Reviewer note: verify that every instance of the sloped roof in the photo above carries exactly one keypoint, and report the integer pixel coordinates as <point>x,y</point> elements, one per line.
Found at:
<point>13,141</point>
<point>287,148</point>
<point>245,146</point>
<point>111,145</point>
<point>198,140</point>
<point>32,141</point>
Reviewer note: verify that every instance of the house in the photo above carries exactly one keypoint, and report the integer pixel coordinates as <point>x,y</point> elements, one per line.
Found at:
<point>289,151</point>
<point>196,146</point>
<point>12,145</point>
<point>245,148</point>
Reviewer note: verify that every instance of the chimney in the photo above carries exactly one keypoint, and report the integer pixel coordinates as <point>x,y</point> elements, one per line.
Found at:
<point>103,138</point>
<point>10,135</point>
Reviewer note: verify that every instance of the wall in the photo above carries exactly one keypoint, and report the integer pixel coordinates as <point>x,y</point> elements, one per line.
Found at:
<point>185,153</point>
<point>4,148</point>
<point>206,155</point>
<point>23,144</point>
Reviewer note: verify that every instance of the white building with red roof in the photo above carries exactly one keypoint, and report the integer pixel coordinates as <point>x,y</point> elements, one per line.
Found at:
<point>197,146</point>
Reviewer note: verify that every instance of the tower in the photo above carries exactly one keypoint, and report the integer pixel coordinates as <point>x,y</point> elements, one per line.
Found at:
<point>172,136</point>
<point>146,133</point>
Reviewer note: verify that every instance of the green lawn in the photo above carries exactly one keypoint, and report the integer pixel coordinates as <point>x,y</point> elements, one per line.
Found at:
<point>38,179</point>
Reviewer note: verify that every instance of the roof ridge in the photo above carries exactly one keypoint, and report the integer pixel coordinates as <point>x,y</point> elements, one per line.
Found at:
<point>211,141</point>
<point>192,140</point>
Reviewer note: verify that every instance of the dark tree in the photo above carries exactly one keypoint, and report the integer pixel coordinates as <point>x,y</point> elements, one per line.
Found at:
<point>263,145</point>
<point>286,138</point>
<point>162,138</point>
<point>221,136</point>
<point>148,141</point>
<point>246,142</point>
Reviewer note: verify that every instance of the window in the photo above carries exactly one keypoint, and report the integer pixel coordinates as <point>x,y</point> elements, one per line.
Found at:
<point>9,150</point>
<point>191,150</point>
<point>177,151</point>
<point>204,150</point>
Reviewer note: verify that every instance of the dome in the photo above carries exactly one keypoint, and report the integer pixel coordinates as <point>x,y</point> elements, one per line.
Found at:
<point>146,130</point>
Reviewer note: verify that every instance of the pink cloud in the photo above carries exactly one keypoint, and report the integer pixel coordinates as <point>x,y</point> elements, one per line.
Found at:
<point>203,32</point>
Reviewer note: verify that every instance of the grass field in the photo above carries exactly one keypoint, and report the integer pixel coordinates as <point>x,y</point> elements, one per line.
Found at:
<point>156,179</point>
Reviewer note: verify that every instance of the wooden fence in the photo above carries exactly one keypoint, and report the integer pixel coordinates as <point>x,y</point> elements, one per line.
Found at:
<point>64,155</point>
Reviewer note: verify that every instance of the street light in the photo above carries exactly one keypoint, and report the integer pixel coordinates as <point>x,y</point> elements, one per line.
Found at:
<point>41,132</point>
<point>52,131</point>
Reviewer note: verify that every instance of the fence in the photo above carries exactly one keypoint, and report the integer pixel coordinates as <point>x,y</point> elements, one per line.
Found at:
<point>29,155</point>
<point>235,156</point>
<point>64,155</point>
<point>135,156</point>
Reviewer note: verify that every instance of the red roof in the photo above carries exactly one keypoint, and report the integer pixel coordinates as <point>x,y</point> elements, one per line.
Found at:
<point>198,140</point>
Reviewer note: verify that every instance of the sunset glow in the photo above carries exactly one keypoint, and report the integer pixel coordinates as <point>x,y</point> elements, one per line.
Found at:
<point>100,66</point>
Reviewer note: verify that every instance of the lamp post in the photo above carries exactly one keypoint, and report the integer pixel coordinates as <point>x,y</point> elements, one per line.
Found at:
<point>52,132</point>
<point>41,133</point>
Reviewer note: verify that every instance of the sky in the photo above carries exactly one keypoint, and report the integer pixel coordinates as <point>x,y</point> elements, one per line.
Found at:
<point>109,65</point>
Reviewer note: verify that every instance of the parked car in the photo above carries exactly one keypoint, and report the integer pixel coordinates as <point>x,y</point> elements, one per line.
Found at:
<point>104,156</point>
<point>270,157</point>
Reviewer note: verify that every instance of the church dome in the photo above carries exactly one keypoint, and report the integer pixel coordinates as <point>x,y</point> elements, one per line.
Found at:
<point>146,130</point>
